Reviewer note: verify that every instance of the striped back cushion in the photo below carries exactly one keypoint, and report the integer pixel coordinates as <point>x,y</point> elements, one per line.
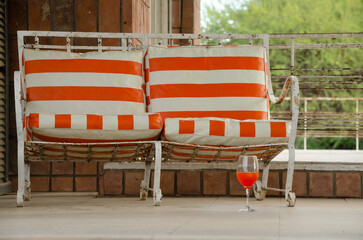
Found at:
<point>89,83</point>
<point>214,81</point>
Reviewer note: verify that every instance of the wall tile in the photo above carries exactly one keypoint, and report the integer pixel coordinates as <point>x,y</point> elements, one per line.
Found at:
<point>39,15</point>
<point>321,184</point>
<point>348,185</point>
<point>112,182</point>
<point>188,183</point>
<point>62,184</point>
<point>214,182</point>
<point>132,182</point>
<point>86,184</point>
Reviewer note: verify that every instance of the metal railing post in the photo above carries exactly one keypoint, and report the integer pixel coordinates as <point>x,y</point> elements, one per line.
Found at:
<point>305,122</point>
<point>357,125</point>
<point>292,65</point>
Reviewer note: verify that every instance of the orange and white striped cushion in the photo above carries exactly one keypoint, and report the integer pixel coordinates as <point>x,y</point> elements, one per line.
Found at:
<point>84,83</point>
<point>226,132</point>
<point>93,128</point>
<point>215,81</point>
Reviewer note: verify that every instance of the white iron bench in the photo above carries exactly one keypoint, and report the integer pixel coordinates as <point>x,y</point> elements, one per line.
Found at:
<point>205,104</point>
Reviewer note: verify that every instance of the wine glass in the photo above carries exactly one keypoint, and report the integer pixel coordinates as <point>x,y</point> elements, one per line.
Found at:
<point>247,174</point>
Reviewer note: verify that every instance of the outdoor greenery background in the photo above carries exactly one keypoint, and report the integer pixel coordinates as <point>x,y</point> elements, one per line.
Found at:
<point>302,16</point>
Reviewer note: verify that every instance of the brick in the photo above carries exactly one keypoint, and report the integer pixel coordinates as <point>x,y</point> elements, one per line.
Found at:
<point>348,185</point>
<point>39,15</point>
<point>321,184</point>
<point>188,183</point>
<point>40,184</point>
<point>16,16</point>
<point>132,182</point>
<point>112,182</point>
<point>13,160</point>
<point>86,184</point>
<point>62,168</point>
<point>86,20</point>
<point>175,14</point>
<point>13,146</point>
<point>13,58</point>
<point>100,168</point>
<point>141,22</point>
<point>86,15</point>
<point>167,182</point>
<point>176,30</point>
<point>101,189</point>
<point>214,182</point>
<point>39,168</point>
<point>14,183</point>
<point>62,16</point>
<point>127,14</point>
<point>12,127</point>
<point>187,29</point>
<point>188,14</point>
<point>86,168</point>
<point>136,21</point>
<point>62,184</point>
<point>109,16</point>
<point>274,182</point>
<point>235,187</point>
<point>196,18</point>
<point>146,18</point>
<point>298,183</point>
<point>109,20</point>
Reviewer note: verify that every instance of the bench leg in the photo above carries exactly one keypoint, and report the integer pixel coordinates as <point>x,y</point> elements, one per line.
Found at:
<point>156,189</point>
<point>260,187</point>
<point>265,173</point>
<point>21,175</point>
<point>289,195</point>
<point>145,184</point>
<point>27,187</point>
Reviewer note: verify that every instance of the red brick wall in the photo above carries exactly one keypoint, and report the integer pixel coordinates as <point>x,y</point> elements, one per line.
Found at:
<point>222,183</point>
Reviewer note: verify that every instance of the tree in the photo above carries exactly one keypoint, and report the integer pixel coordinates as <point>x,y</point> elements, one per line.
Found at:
<point>286,16</point>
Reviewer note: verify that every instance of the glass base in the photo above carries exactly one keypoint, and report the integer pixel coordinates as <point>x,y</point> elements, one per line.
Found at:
<point>247,209</point>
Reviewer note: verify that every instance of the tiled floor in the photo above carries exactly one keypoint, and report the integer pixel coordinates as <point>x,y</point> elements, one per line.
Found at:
<point>85,216</point>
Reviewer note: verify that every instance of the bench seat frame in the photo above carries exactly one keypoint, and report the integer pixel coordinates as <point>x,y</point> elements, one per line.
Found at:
<point>146,151</point>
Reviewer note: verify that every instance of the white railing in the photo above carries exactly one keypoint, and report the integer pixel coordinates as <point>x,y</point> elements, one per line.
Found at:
<point>315,81</point>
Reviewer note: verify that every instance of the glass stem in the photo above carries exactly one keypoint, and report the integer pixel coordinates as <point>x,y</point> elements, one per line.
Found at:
<point>248,195</point>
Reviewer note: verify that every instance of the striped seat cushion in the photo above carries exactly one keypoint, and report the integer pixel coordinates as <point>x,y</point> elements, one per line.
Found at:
<point>226,132</point>
<point>215,81</point>
<point>90,83</point>
<point>75,128</point>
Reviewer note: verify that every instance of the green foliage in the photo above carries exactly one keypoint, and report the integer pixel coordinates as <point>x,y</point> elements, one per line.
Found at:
<point>286,16</point>
<point>328,143</point>
<point>302,16</point>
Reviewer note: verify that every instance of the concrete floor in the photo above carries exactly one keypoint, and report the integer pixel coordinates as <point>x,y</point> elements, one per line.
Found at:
<point>85,216</point>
